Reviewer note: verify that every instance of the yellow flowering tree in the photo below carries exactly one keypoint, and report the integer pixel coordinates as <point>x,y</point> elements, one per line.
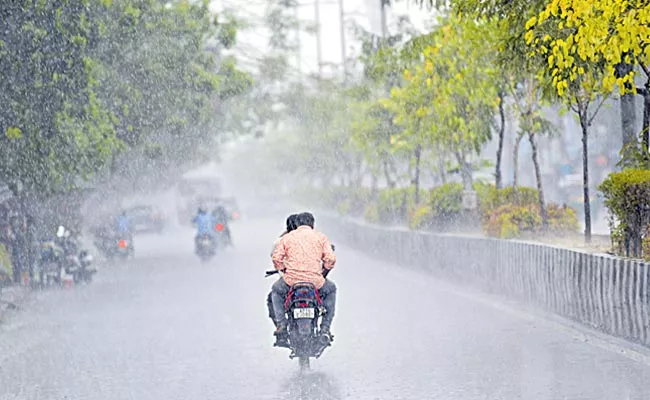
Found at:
<point>459,73</point>
<point>612,36</point>
<point>578,73</point>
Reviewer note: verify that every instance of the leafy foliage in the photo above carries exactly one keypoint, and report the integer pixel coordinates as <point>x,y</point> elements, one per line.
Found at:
<point>626,195</point>
<point>600,33</point>
<point>451,96</point>
<point>442,210</point>
<point>85,82</point>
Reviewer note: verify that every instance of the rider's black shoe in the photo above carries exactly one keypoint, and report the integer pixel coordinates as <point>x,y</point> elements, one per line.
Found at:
<point>281,336</point>
<point>326,335</point>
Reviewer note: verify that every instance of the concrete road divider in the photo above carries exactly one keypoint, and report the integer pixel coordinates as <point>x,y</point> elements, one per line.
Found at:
<point>606,293</point>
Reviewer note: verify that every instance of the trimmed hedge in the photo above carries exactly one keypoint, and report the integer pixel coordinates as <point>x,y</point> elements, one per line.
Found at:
<point>627,196</point>
<point>441,209</point>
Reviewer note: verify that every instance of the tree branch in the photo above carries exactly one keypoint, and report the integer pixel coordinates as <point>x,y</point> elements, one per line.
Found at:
<point>591,119</point>
<point>645,69</point>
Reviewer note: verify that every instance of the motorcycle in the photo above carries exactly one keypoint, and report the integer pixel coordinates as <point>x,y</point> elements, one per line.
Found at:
<point>50,266</point>
<point>123,247</point>
<point>304,309</point>
<point>206,247</point>
<point>88,269</point>
<point>76,262</point>
<point>61,256</point>
<point>221,236</point>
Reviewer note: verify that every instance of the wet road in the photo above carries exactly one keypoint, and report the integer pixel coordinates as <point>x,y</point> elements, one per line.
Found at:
<point>165,326</point>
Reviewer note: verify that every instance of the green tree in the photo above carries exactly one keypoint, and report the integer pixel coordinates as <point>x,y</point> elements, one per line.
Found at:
<point>53,125</point>
<point>460,89</point>
<point>581,87</point>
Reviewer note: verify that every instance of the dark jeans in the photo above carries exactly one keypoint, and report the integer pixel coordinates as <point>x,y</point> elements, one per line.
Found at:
<point>279,292</point>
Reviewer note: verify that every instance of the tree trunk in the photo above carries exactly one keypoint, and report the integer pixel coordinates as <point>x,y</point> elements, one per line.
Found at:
<point>416,179</point>
<point>515,166</point>
<point>502,128</point>
<point>465,172</point>
<point>538,178</point>
<point>628,119</point>
<point>389,181</point>
<point>373,182</point>
<point>584,124</point>
<point>628,113</point>
<point>646,122</point>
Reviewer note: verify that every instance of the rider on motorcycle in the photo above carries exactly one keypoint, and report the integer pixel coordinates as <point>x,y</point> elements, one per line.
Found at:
<point>221,217</point>
<point>292,222</point>
<point>205,225</point>
<point>123,225</point>
<point>302,254</point>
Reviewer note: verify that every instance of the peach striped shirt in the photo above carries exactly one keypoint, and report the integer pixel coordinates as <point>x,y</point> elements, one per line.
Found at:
<point>300,253</point>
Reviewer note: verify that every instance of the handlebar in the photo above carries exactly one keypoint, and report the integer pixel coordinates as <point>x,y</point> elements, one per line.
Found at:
<point>275,271</point>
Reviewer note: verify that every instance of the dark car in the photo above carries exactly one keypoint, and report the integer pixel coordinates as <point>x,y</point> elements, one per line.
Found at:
<point>146,219</point>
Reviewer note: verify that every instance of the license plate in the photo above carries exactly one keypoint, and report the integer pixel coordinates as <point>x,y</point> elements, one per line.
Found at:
<point>303,313</point>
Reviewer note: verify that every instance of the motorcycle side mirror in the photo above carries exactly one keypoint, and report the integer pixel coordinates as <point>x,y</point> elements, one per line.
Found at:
<point>60,231</point>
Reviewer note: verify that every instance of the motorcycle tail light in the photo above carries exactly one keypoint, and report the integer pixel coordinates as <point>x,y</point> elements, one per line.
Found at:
<point>122,244</point>
<point>219,227</point>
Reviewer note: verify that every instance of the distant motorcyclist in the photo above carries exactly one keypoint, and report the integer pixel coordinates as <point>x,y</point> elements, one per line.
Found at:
<point>123,224</point>
<point>302,254</point>
<point>205,223</point>
<point>221,217</point>
<point>292,225</point>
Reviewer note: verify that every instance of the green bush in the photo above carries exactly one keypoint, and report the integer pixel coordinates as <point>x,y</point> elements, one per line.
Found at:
<point>446,205</point>
<point>490,198</point>
<point>511,221</point>
<point>344,207</point>
<point>441,208</point>
<point>391,205</point>
<point>359,199</point>
<point>627,196</point>
<point>420,218</point>
<point>371,213</point>
<point>562,219</point>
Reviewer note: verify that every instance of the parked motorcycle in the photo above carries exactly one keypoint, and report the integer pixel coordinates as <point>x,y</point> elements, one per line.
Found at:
<point>77,262</point>
<point>304,309</point>
<point>60,256</point>
<point>50,265</point>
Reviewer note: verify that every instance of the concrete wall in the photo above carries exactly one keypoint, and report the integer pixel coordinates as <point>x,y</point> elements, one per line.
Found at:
<point>605,293</point>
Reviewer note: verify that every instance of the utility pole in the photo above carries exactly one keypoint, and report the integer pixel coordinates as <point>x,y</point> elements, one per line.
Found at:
<point>319,45</point>
<point>384,19</point>
<point>343,45</point>
<point>296,11</point>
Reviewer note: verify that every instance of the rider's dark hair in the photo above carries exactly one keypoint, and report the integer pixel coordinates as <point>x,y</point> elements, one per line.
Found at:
<point>306,218</point>
<point>292,222</point>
